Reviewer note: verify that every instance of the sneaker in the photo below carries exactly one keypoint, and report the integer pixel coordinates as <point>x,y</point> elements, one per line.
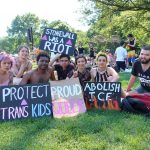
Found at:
<point>127,70</point>
<point>121,70</point>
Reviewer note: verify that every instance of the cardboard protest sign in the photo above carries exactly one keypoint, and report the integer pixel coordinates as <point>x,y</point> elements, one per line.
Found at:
<point>105,95</point>
<point>58,41</point>
<point>67,98</point>
<point>26,101</point>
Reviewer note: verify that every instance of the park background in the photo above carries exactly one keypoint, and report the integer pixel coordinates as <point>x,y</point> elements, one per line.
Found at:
<point>109,22</point>
<point>104,22</point>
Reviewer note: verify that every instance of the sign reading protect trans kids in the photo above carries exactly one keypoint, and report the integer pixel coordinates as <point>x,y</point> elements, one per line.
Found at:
<point>25,101</point>
<point>58,41</point>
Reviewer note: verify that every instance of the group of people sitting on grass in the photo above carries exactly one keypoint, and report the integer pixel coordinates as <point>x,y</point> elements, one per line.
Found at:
<point>18,70</point>
<point>61,68</point>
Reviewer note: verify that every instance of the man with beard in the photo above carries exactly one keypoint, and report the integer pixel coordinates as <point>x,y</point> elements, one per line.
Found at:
<point>42,74</point>
<point>141,69</point>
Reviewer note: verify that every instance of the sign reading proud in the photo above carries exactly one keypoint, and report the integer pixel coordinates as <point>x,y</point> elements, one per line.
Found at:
<point>105,95</point>
<point>26,101</point>
<point>58,41</point>
<point>67,98</point>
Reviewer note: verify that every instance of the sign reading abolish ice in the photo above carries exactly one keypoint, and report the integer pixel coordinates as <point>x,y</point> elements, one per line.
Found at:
<point>18,102</point>
<point>67,98</point>
<point>104,95</point>
<point>58,41</point>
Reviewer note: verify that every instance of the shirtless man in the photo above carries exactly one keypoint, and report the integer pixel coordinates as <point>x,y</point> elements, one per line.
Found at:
<point>42,74</point>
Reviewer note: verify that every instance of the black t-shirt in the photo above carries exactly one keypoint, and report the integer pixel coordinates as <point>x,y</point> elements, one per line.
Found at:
<point>75,52</point>
<point>132,43</point>
<point>92,53</point>
<point>81,50</point>
<point>144,76</point>
<point>62,74</point>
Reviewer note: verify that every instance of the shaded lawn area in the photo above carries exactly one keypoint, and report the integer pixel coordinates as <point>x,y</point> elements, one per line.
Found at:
<point>96,129</point>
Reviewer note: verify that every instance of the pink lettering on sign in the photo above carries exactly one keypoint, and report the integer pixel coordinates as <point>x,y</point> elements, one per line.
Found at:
<point>68,108</point>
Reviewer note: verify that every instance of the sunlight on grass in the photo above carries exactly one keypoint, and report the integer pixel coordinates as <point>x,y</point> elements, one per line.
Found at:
<point>96,129</point>
<point>124,79</point>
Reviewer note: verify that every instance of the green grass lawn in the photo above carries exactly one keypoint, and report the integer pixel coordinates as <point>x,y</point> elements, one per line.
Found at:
<point>124,79</point>
<point>94,130</point>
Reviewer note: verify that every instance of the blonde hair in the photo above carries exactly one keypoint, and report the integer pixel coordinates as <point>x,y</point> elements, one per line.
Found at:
<point>102,54</point>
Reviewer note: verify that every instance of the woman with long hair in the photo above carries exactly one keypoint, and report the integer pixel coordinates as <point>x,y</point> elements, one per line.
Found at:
<point>22,63</point>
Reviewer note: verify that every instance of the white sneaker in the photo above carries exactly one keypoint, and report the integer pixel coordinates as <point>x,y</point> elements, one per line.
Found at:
<point>121,70</point>
<point>127,70</point>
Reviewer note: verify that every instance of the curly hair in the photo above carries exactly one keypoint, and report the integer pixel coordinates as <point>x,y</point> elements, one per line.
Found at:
<point>42,54</point>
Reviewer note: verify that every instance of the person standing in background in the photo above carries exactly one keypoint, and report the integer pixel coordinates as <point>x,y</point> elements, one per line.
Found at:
<point>131,49</point>
<point>121,56</point>
<point>76,53</point>
<point>92,53</point>
<point>80,49</point>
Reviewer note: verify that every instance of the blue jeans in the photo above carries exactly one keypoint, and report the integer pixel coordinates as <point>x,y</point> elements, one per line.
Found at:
<point>141,90</point>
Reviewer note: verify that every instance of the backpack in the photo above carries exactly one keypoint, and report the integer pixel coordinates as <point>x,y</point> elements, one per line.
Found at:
<point>137,103</point>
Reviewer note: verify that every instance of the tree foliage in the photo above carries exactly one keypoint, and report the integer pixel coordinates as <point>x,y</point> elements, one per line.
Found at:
<point>124,5</point>
<point>58,24</point>
<point>17,32</point>
<point>118,18</point>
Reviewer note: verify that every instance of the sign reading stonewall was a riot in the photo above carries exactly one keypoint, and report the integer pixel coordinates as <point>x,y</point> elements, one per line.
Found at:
<point>58,41</point>
<point>105,95</point>
<point>17,102</point>
<point>67,98</point>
